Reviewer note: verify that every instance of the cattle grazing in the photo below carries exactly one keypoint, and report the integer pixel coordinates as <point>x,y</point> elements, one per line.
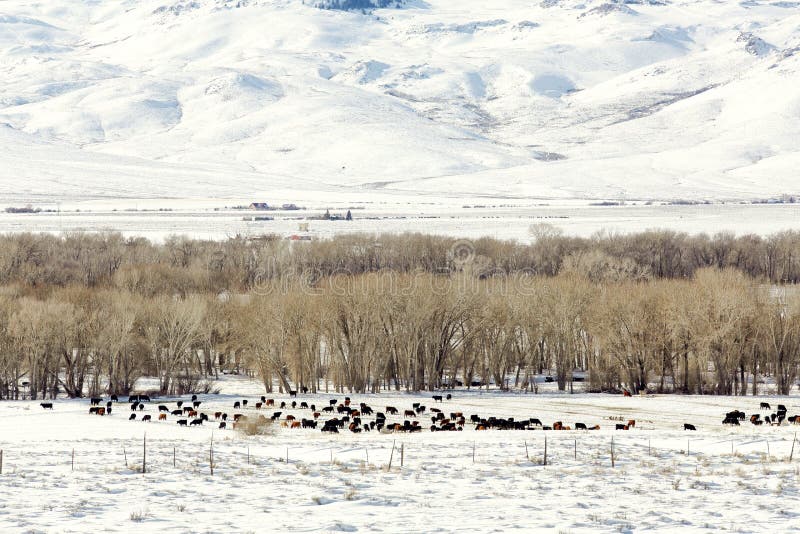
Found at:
<point>290,418</point>
<point>409,413</point>
<point>196,404</point>
<point>437,398</point>
<point>580,426</point>
<point>259,405</point>
<point>196,422</point>
<point>95,401</point>
<point>295,424</point>
<point>194,397</point>
<point>237,405</point>
<point>631,423</point>
<point>144,398</point>
<point>557,425</point>
<point>316,415</point>
<point>276,415</point>
<point>244,402</point>
<point>755,417</point>
<point>620,426</point>
<point>141,406</point>
<point>146,418</point>
<point>781,408</point>
<point>689,426</point>
<point>46,405</point>
<point>180,404</point>
<point>133,398</point>
<point>304,405</point>
<point>224,417</point>
<point>730,420</point>
<point>283,405</point>
<point>93,410</point>
<point>132,417</point>
<point>217,415</point>
<point>222,425</point>
<point>108,410</point>
<point>177,412</point>
<point>109,404</point>
<point>292,392</point>
<point>420,409</point>
<point>237,417</point>
<point>192,413</point>
<point>391,410</point>
<point>162,408</point>
<point>204,417</point>
<point>449,397</point>
<point>114,398</point>
<point>134,406</point>
<point>294,405</point>
<point>270,402</point>
<point>162,417</point>
<point>765,406</point>
<point>182,422</point>
<point>626,393</point>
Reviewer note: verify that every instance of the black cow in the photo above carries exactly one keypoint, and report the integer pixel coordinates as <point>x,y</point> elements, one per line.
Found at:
<point>196,403</point>
<point>180,404</point>
<point>765,406</point>
<point>237,405</point>
<point>141,406</point>
<point>689,426</point>
<point>194,398</point>
<point>580,426</point>
<point>114,398</point>
<point>196,422</point>
<point>132,417</point>
<point>144,398</point>
<point>292,392</point>
<point>177,412</point>
<point>244,402</point>
<point>182,422</point>
<point>145,417</point>
<point>133,398</point>
<point>109,404</point>
<point>437,398</point>
<point>95,401</point>
<point>162,408</point>
<point>304,390</point>
<point>134,406</point>
<point>222,425</point>
<point>449,397</point>
<point>96,409</point>
<point>46,405</point>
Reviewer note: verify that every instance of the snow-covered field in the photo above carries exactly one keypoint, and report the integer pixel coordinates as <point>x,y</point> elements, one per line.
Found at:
<point>506,220</point>
<point>438,101</point>
<point>664,478</point>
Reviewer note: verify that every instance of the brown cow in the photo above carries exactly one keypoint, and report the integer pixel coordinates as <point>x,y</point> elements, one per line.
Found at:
<point>258,405</point>
<point>631,423</point>
<point>295,424</point>
<point>409,413</point>
<point>270,402</point>
<point>217,415</point>
<point>316,415</point>
<point>290,418</point>
<point>626,393</point>
<point>162,417</point>
<point>557,425</point>
<point>193,413</point>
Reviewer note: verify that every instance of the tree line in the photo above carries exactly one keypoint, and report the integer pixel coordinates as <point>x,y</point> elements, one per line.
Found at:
<point>183,265</point>
<point>717,332</point>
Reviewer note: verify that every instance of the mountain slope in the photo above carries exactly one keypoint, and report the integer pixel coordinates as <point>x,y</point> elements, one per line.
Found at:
<point>569,99</point>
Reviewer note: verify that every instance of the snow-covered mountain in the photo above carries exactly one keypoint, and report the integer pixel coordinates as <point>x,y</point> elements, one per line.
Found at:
<point>656,99</point>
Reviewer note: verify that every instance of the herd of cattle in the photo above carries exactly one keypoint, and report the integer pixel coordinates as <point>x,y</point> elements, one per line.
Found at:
<point>346,415</point>
<point>776,419</point>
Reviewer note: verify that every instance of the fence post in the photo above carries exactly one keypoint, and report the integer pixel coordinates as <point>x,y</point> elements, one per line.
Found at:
<point>211,456</point>
<point>391,455</point>
<point>612,451</point>
<point>248,455</point>
<point>72,461</point>
<point>545,450</point>
<point>125,453</point>
<point>575,451</point>
<point>144,453</point>
<point>527,456</point>
<point>1,459</point>
<point>790,454</point>
<point>473,452</point>
<point>402,453</point>
<point>174,457</point>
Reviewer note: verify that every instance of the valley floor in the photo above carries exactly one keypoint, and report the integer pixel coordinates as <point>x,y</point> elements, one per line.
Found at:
<point>663,479</point>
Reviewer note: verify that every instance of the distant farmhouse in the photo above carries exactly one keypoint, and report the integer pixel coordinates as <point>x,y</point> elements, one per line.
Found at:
<point>262,206</point>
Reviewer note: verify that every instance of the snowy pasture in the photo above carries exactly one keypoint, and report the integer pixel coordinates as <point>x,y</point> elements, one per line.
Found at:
<point>737,479</point>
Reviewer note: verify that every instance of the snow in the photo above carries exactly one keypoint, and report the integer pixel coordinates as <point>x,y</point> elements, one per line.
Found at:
<point>214,100</point>
<point>664,478</point>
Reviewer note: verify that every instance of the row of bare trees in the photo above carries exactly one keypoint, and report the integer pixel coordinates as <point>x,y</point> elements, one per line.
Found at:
<point>719,332</point>
<point>185,266</point>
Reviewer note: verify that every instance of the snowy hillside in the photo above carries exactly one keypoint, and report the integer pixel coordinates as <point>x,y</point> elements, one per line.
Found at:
<point>653,99</point>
